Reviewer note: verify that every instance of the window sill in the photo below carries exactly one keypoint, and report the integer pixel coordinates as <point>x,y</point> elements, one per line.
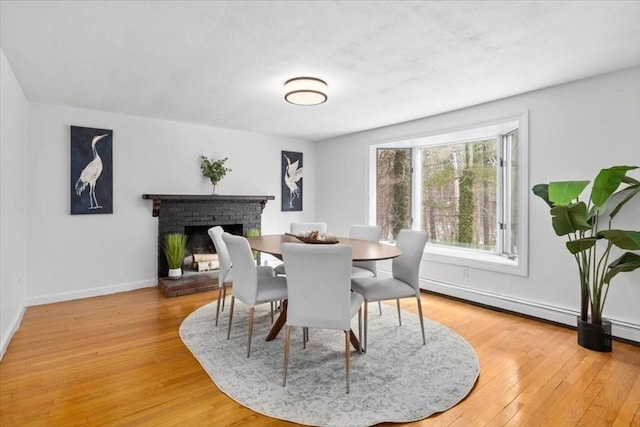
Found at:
<point>473,259</point>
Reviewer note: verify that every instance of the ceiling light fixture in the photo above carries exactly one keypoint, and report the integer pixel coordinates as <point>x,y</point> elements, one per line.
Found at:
<point>305,91</point>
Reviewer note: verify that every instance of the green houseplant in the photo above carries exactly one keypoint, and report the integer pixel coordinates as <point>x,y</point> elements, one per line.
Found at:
<point>591,237</point>
<point>214,170</point>
<point>253,232</point>
<point>174,246</point>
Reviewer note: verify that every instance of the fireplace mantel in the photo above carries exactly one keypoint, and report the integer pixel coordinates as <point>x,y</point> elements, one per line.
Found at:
<point>158,198</point>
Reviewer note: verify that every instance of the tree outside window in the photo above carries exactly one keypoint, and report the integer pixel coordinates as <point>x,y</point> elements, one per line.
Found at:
<point>393,210</point>
<point>459,194</point>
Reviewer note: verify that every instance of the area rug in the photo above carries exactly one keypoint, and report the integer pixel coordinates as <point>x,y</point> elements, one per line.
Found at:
<point>397,380</point>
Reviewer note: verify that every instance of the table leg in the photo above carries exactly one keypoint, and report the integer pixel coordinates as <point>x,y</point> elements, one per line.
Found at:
<point>280,321</point>
<point>354,340</point>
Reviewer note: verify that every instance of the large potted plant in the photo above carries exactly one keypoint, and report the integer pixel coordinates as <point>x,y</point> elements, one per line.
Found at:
<point>174,246</point>
<point>591,239</point>
<point>214,170</point>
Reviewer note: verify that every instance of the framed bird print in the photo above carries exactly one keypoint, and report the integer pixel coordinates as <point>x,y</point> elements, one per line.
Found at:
<point>291,174</point>
<point>91,185</point>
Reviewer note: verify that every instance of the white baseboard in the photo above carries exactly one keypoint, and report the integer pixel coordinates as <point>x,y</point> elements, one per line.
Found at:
<point>13,327</point>
<point>619,328</point>
<point>93,292</point>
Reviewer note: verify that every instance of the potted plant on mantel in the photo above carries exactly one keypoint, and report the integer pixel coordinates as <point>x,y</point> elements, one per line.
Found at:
<point>591,238</point>
<point>214,170</point>
<point>174,246</point>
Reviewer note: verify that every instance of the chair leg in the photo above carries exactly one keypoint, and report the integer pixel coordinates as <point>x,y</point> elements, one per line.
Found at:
<point>272,312</point>
<point>233,299</point>
<point>251,311</point>
<point>347,355</point>
<point>218,304</point>
<point>380,308</point>
<point>224,294</point>
<point>305,337</point>
<point>286,355</point>
<point>424,341</point>
<point>363,344</point>
<point>360,327</point>
<point>399,318</point>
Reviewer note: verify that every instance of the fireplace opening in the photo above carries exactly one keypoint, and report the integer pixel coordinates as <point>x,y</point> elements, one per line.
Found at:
<point>200,255</point>
<point>199,241</point>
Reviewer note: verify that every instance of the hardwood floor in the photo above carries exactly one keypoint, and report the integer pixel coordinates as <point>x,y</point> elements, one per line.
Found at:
<point>118,360</point>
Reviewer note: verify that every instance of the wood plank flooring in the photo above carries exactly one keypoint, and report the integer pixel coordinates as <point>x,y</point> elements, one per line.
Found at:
<point>118,360</point>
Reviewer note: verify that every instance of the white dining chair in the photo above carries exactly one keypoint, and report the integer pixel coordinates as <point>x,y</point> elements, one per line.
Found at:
<point>225,271</point>
<point>404,282</point>
<point>319,293</point>
<point>364,269</point>
<point>297,228</point>
<point>249,287</point>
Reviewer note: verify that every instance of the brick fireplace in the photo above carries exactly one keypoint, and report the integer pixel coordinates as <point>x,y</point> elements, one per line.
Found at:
<point>194,215</point>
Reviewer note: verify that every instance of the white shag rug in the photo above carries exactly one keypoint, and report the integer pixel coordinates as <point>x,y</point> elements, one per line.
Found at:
<point>396,380</point>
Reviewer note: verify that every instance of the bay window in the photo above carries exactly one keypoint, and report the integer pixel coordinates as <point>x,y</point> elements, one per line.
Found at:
<point>464,188</point>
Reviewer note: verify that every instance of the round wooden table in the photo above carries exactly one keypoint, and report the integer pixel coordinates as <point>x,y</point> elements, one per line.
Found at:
<point>363,250</point>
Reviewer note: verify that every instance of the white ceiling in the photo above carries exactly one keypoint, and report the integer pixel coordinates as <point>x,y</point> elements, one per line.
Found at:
<point>224,63</point>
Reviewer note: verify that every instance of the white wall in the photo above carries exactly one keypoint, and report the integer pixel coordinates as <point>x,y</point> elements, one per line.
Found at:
<point>85,255</point>
<point>574,130</point>
<point>13,202</point>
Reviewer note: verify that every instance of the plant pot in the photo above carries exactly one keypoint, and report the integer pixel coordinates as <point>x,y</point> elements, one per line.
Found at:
<point>595,337</point>
<point>175,273</point>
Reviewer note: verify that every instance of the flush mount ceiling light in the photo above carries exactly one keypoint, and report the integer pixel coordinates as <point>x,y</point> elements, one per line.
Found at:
<point>305,91</point>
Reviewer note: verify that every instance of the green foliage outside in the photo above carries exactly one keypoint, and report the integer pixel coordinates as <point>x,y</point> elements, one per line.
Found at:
<point>465,201</point>
<point>459,194</point>
<point>393,191</point>
<point>465,207</point>
<point>400,190</point>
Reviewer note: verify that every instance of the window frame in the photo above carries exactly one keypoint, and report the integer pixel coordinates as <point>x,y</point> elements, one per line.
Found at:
<point>462,256</point>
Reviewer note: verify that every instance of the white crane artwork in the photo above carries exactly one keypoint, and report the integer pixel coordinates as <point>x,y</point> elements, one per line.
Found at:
<point>291,176</point>
<point>90,174</point>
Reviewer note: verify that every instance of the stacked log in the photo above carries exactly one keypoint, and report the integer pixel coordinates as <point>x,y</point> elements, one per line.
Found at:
<point>205,262</point>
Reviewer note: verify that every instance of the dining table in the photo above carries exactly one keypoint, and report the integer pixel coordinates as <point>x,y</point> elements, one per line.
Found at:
<point>362,250</point>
